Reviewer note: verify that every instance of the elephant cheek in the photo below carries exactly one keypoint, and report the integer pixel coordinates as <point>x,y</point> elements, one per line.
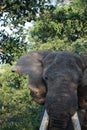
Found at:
<point>37,94</point>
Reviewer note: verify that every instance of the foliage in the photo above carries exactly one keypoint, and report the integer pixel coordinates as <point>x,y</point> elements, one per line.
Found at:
<point>17,110</point>
<point>12,48</point>
<point>16,13</point>
<point>78,46</point>
<point>24,10</point>
<point>64,22</point>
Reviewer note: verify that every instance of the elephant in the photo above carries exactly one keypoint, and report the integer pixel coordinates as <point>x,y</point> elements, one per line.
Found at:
<point>57,80</point>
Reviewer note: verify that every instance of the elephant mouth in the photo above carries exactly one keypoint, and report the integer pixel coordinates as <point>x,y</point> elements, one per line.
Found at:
<point>39,100</point>
<point>83,103</point>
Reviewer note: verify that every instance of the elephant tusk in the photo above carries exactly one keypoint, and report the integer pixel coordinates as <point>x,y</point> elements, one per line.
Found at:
<point>75,121</point>
<point>45,121</point>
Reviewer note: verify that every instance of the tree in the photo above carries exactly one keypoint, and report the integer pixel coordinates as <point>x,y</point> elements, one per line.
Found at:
<point>11,48</point>
<point>66,23</point>
<point>22,11</point>
<point>15,13</point>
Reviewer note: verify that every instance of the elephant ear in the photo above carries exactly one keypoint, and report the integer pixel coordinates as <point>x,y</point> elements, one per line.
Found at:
<point>30,62</point>
<point>82,89</point>
<point>84,59</point>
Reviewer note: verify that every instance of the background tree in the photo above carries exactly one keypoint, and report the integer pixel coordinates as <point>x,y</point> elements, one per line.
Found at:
<point>11,48</point>
<point>62,27</point>
<point>66,22</point>
<point>22,11</point>
<point>15,14</point>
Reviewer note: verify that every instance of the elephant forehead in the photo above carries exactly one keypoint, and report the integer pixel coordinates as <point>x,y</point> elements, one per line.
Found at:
<point>49,58</point>
<point>62,59</point>
<point>62,68</point>
<point>57,76</point>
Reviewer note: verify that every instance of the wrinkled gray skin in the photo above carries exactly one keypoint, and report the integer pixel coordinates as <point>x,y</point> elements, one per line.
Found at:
<point>57,80</point>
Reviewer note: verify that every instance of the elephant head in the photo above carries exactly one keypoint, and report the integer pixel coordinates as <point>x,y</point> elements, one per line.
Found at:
<point>54,79</point>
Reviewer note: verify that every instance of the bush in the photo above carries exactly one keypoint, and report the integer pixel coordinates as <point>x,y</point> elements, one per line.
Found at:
<point>79,46</point>
<point>17,110</point>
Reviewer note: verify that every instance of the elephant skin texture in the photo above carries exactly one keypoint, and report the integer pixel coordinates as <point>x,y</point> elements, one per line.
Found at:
<point>57,80</point>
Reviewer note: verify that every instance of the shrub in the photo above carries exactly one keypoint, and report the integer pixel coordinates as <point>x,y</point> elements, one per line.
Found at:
<point>17,110</point>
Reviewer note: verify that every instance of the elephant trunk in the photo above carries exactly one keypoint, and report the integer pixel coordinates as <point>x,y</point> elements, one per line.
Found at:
<point>59,117</point>
<point>45,121</point>
<point>61,105</point>
<point>59,122</point>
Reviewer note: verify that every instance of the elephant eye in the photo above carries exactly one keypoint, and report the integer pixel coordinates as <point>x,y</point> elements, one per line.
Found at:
<point>45,78</point>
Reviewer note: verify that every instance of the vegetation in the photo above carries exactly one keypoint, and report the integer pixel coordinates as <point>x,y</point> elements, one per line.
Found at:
<point>55,28</point>
<point>62,28</point>
<point>14,14</point>
<point>22,11</point>
<point>17,110</point>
